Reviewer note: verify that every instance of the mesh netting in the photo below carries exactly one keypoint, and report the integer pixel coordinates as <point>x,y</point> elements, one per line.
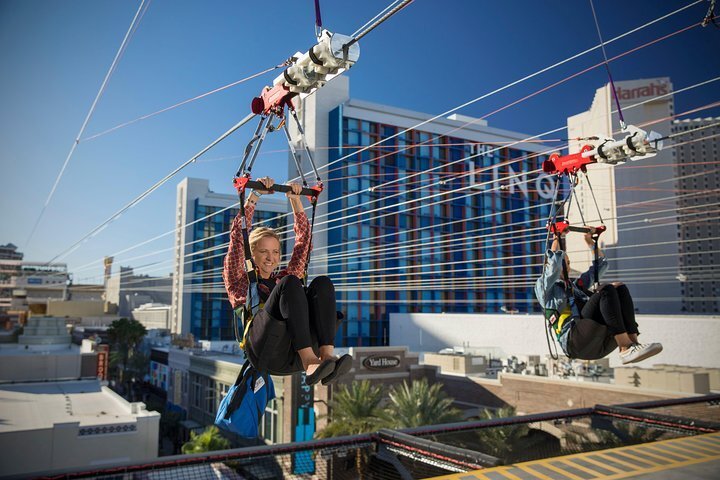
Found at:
<point>400,455</point>
<point>705,411</point>
<point>348,462</point>
<point>373,461</point>
<point>336,462</point>
<point>562,436</point>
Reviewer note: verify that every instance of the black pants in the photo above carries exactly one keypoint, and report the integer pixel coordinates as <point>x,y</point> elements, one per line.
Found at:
<point>607,313</point>
<point>612,306</point>
<point>310,314</point>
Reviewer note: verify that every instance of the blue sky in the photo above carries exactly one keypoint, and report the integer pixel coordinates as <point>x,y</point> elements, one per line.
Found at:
<point>430,57</point>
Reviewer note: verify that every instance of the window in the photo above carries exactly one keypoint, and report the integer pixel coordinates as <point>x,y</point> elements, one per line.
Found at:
<point>209,401</point>
<point>269,425</point>
<point>196,393</point>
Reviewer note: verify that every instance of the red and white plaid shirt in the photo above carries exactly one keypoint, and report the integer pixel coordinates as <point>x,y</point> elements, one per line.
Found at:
<point>236,281</point>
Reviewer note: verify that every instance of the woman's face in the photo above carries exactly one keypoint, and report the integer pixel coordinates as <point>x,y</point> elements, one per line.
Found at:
<point>266,255</point>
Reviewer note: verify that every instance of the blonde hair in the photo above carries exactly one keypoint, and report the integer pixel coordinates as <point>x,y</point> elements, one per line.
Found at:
<point>259,233</point>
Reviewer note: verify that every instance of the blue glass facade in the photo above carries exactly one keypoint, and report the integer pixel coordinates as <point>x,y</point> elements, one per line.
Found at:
<point>211,314</point>
<point>430,256</point>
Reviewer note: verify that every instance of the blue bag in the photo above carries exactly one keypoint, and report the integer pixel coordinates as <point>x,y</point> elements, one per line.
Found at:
<point>244,405</point>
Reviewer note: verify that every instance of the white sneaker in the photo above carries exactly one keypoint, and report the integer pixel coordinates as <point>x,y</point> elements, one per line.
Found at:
<point>640,351</point>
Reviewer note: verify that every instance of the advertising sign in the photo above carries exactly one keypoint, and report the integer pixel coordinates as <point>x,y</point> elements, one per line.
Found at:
<point>103,354</point>
<point>380,362</point>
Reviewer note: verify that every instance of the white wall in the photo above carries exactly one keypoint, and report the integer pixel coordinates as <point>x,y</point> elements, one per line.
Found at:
<point>31,444</point>
<point>644,238</point>
<point>687,340</point>
<point>44,365</point>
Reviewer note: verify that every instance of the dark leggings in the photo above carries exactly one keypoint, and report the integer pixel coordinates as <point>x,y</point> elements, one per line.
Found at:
<point>308,313</point>
<point>612,306</point>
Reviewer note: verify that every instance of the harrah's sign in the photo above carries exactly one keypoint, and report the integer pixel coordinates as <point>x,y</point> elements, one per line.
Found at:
<point>649,90</point>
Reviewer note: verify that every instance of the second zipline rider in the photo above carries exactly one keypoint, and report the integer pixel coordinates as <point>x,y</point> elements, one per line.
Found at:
<point>589,319</point>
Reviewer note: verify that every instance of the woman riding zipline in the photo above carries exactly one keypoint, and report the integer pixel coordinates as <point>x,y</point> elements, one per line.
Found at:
<point>589,325</point>
<point>290,329</point>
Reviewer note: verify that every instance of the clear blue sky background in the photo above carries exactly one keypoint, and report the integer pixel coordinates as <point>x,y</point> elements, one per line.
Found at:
<point>430,57</point>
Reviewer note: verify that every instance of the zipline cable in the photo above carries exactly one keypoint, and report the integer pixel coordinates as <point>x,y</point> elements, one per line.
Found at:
<point>242,122</point>
<point>357,32</point>
<point>184,102</point>
<point>678,91</point>
<point>123,45</point>
<point>493,260</point>
<point>369,255</point>
<point>377,23</point>
<point>607,67</point>
<point>99,228</point>
<point>512,84</point>
<point>479,154</point>
<point>202,239</point>
<point>706,82</point>
<point>147,192</point>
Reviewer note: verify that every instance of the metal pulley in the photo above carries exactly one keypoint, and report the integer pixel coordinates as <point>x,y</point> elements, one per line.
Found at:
<point>637,145</point>
<point>324,61</point>
<point>332,55</point>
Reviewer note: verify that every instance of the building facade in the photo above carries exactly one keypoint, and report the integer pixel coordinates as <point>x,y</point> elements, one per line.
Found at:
<point>637,200</point>
<point>203,219</point>
<point>9,252</point>
<point>43,352</point>
<point>129,291</point>
<point>697,153</point>
<point>152,315</point>
<point>504,335</point>
<point>74,425</point>
<point>24,283</point>
<point>52,398</point>
<point>420,222</point>
<point>672,378</point>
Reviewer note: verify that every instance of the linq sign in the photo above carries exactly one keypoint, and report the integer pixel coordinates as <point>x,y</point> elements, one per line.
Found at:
<point>380,362</point>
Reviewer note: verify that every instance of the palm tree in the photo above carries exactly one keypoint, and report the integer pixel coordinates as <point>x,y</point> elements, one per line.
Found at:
<point>419,404</point>
<point>125,335</point>
<point>614,434</point>
<point>207,441</point>
<point>505,442</point>
<point>138,364</point>
<point>355,409</point>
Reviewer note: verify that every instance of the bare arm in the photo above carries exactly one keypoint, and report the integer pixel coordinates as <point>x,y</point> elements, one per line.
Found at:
<point>555,244</point>
<point>591,243</point>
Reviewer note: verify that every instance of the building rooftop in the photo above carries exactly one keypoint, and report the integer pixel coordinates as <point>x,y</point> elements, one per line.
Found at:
<point>31,406</point>
<point>698,119</point>
<point>473,127</point>
<point>14,349</point>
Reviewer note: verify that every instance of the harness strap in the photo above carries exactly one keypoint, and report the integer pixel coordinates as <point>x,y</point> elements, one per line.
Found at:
<point>313,200</point>
<point>566,274</point>
<point>318,20</point>
<point>247,320</point>
<point>239,393</point>
<point>249,271</point>
<point>596,261</point>
<point>554,210</point>
<point>246,329</point>
<point>554,355</point>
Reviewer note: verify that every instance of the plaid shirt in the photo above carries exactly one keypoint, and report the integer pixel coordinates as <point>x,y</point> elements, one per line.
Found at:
<point>236,281</point>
